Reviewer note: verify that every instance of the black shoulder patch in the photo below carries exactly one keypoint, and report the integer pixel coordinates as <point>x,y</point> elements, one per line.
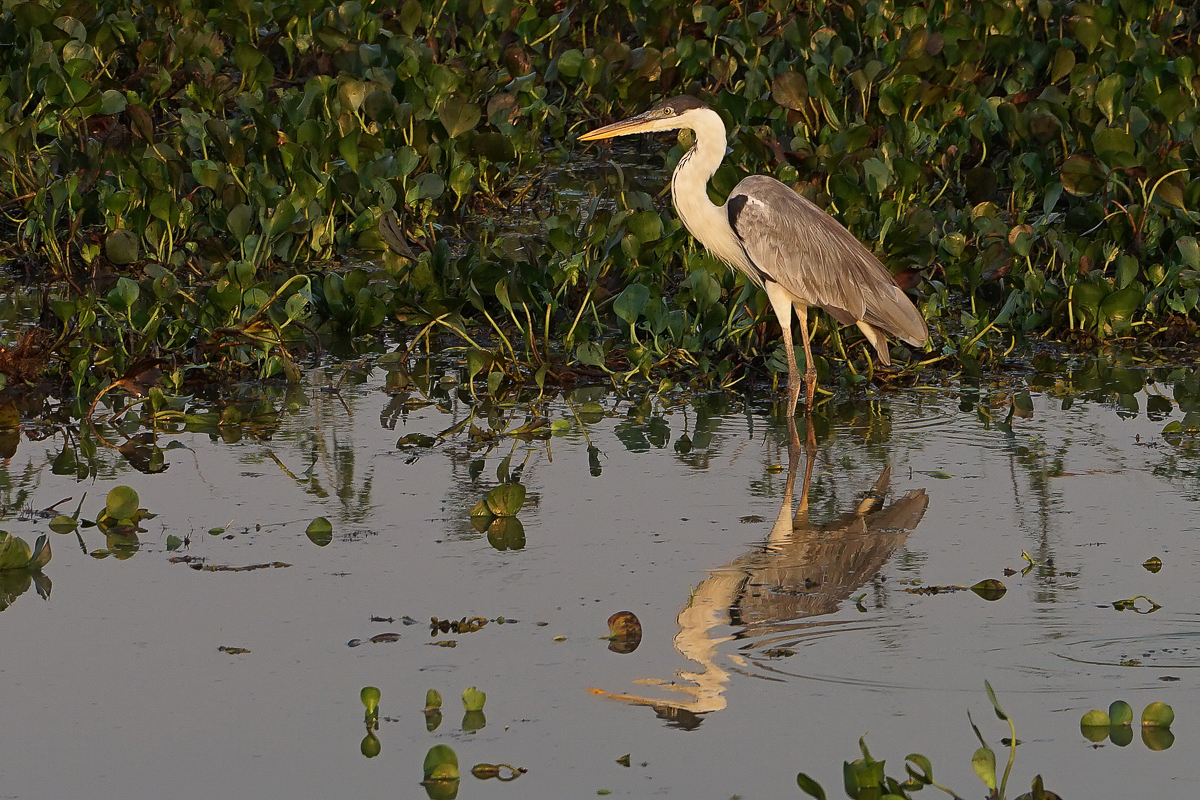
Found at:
<point>734,209</point>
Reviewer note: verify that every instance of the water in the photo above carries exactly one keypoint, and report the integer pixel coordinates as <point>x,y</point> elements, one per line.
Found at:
<point>771,643</point>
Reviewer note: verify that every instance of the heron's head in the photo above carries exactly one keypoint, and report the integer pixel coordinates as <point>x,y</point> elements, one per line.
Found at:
<point>678,112</point>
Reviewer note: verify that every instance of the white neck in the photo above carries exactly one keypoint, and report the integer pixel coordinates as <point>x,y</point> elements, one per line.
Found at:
<point>689,189</point>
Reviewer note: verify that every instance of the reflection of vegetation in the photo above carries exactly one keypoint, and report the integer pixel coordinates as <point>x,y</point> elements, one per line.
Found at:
<point>866,778</point>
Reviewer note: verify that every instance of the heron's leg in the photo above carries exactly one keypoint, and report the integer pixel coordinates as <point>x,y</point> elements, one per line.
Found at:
<point>810,371</point>
<point>781,302</point>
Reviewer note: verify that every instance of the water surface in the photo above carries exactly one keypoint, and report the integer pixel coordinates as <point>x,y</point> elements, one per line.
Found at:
<point>772,641</point>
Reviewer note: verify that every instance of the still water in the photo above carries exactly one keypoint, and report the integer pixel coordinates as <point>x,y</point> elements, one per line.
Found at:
<point>774,634</point>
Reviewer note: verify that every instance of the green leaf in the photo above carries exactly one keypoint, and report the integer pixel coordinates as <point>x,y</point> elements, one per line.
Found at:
<point>370,698</point>
<point>628,304</point>
<point>1081,175</point>
<point>473,699</point>
<point>570,62</point>
<point>63,524</point>
<point>645,225</point>
<point>441,764</point>
<point>14,552</point>
<point>351,92</point>
<point>987,687</point>
<point>458,116</point>
<point>925,776</point>
<point>122,247</point>
<point>1088,32</point>
<point>591,354</point>
<point>112,102</point>
<point>238,221</point>
<point>1158,715</point>
<point>319,531</point>
<point>810,786</point>
<point>433,699</point>
<point>1119,306</point>
<point>1190,250</point>
<point>1108,95</point>
<point>122,296</point>
<point>790,90</point>
<point>984,764</point>
<point>122,503</point>
<point>1120,713</point>
<point>506,500</point>
<point>410,16</point>
<point>41,553</point>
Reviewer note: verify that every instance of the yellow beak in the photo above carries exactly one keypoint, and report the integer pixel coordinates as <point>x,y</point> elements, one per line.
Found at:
<point>622,128</point>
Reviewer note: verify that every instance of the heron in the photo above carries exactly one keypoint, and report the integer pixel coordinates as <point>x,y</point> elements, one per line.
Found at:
<point>780,241</point>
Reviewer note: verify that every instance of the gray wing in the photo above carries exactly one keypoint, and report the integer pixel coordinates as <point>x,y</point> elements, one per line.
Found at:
<point>807,252</point>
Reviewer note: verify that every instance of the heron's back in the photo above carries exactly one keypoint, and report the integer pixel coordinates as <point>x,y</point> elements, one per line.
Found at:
<point>792,242</point>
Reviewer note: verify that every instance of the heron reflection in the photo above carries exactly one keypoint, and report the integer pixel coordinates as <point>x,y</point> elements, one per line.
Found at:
<point>774,594</point>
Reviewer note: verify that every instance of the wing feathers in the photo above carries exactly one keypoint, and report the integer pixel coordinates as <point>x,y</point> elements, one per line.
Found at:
<point>807,252</point>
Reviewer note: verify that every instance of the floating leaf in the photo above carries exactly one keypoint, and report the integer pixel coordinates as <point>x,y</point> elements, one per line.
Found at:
<point>1158,715</point>
<point>810,786</point>
<point>319,531</point>
<point>990,589</point>
<point>370,698</point>
<point>1153,564</point>
<point>433,699</point>
<point>63,524</point>
<point>506,500</point>
<point>441,764</point>
<point>122,503</point>
<point>473,699</point>
<point>1119,713</point>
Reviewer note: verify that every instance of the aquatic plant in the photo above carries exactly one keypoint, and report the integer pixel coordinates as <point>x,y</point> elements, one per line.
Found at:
<point>865,778</point>
<point>190,168</point>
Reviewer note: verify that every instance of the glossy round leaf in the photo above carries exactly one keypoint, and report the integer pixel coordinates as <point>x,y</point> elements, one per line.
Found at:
<point>1158,715</point>
<point>1120,713</point>
<point>319,531</point>
<point>506,500</point>
<point>122,503</point>
<point>441,764</point>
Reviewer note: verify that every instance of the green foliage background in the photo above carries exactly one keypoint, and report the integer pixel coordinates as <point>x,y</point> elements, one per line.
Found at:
<point>1027,167</point>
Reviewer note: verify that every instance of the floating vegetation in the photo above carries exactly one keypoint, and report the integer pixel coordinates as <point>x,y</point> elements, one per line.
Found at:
<point>21,567</point>
<point>1117,725</point>
<point>463,625</point>
<point>1132,605</point>
<point>988,589</point>
<point>624,632</point>
<point>197,563</point>
<point>370,699</point>
<point>473,699</point>
<point>319,531</point>
<point>866,778</point>
<point>501,772</point>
